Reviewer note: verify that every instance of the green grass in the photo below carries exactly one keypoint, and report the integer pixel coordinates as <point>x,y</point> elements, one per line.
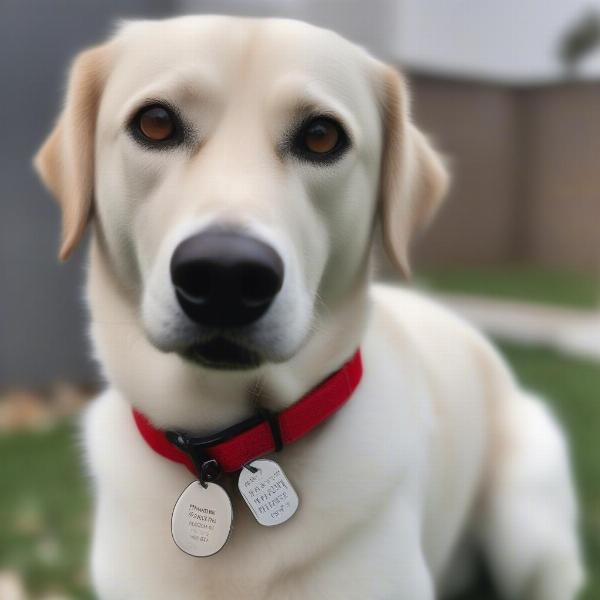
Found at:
<point>577,290</point>
<point>44,512</point>
<point>44,505</point>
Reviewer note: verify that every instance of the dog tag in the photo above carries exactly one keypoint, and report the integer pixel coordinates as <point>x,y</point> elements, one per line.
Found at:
<point>201,520</point>
<point>268,492</point>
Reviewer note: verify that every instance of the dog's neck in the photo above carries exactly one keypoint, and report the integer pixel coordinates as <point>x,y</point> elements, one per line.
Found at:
<point>176,394</point>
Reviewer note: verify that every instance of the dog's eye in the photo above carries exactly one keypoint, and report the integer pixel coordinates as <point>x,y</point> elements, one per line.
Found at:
<point>320,139</point>
<point>156,123</point>
<point>321,136</point>
<point>157,126</point>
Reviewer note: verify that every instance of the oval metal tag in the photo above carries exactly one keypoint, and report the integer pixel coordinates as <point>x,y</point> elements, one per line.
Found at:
<point>201,521</point>
<point>268,492</point>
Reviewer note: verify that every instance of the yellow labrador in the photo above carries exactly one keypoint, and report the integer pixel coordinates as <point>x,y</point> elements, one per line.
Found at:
<point>233,171</point>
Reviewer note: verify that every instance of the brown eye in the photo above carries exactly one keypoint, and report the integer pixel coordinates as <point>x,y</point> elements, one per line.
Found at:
<point>320,140</point>
<point>321,136</point>
<point>156,124</point>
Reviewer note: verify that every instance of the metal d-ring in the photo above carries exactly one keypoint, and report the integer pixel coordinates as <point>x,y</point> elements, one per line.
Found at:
<point>210,470</point>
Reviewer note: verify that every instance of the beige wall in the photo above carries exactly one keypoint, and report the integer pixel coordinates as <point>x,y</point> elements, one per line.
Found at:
<point>564,180</point>
<point>526,167</point>
<point>474,126</point>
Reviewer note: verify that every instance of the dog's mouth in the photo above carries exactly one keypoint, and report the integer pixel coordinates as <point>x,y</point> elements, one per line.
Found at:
<point>221,353</point>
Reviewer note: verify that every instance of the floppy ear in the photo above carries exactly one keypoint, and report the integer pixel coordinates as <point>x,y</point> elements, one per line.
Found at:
<point>65,162</point>
<point>413,177</point>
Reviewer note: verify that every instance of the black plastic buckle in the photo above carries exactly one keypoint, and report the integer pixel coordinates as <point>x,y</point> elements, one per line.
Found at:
<point>208,468</point>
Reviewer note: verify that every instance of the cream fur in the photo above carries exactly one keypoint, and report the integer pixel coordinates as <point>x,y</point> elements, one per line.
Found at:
<point>437,447</point>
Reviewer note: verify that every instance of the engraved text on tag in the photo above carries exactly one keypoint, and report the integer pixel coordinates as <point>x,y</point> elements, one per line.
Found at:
<point>268,492</point>
<point>201,520</point>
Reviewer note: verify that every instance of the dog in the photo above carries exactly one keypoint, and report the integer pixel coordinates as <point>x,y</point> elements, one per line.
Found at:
<point>234,172</point>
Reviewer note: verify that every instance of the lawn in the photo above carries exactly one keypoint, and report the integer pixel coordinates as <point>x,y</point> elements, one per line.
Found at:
<point>44,511</point>
<point>517,282</point>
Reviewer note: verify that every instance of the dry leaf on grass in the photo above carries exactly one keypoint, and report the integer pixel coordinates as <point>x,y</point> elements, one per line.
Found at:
<point>25,410</point>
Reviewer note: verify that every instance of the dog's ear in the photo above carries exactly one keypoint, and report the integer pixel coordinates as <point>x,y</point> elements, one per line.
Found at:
<point>413,177</point>
<point>65,162</point>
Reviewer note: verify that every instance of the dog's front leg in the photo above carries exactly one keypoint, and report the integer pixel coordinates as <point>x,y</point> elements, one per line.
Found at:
<point>528,525</point>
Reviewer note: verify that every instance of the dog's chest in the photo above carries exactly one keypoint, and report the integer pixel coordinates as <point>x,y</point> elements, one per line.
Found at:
<point>344,474</point>
<point>356,478</point>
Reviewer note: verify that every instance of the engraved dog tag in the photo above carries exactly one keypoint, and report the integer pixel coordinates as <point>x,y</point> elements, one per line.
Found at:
<point>201,520</point>
<point>268,492</point>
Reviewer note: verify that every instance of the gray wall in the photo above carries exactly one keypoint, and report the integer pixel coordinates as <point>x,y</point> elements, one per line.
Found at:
<point>42,331</point>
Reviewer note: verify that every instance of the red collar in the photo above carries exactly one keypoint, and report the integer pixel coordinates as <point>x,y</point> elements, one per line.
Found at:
<point>236,446</point>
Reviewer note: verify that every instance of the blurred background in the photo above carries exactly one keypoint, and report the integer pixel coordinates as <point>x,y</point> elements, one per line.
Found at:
<point>510,92</point>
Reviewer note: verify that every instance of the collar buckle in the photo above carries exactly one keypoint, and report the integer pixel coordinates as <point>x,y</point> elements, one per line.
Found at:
<point>208,468</point>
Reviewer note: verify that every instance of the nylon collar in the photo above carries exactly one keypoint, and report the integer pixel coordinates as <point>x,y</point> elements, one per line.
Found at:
<point>230,449</point>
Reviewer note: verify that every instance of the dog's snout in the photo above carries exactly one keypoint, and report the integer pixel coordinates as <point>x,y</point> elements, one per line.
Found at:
<point>225,279</point>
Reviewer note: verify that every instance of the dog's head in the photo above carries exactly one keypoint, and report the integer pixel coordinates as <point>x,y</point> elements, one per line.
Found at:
<point>234,169</point>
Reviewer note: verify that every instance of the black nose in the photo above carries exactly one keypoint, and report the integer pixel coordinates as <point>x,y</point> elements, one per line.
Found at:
<point>225,279</point>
